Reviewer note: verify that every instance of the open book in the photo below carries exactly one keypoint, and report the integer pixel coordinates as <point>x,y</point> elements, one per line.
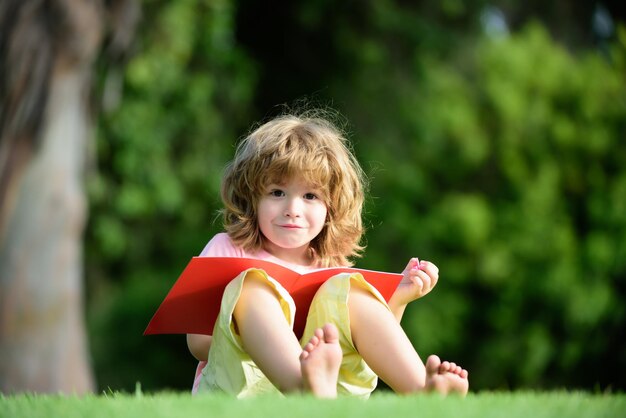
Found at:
<point>193,303</point>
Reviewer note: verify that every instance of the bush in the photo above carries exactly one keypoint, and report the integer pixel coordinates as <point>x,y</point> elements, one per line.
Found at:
<point>507,168</point>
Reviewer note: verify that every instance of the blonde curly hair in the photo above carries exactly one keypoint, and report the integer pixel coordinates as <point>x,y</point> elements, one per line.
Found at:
<point>313,148</point>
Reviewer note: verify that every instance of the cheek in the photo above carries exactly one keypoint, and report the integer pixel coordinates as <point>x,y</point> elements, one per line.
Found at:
<point>263,213</point>
<point>322,215</point>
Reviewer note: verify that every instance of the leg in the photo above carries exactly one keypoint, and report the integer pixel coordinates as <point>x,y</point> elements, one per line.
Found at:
<point>269,340</point>
<point>330,306</point>
<point>384,346</point>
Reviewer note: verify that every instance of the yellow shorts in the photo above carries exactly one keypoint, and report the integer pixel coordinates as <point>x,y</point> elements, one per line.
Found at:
<point>229,368</point>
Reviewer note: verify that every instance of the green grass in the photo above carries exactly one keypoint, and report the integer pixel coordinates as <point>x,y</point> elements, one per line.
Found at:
<point>383,405</point>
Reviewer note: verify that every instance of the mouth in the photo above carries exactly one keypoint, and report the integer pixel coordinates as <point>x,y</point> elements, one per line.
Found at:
<point>290,226</point>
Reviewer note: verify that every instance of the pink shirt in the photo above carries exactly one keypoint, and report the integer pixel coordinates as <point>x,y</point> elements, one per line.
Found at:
<point>221,246</point>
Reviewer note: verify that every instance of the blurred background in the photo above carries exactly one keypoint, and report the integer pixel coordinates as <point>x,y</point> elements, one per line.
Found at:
<point>493,133</point>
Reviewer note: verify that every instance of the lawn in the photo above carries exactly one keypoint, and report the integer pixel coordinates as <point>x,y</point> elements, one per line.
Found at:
<point>386,405</point>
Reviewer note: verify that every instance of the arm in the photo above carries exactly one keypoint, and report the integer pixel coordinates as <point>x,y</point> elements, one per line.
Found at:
<point>199,345</point>
<point>420,277</point>
<point>219,246</point>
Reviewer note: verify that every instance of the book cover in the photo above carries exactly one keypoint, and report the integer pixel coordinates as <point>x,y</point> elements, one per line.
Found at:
<point>193,303</point>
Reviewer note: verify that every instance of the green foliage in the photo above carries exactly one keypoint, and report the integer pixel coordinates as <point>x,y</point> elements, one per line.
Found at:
<point>155,194</point>
<point>506,168</point>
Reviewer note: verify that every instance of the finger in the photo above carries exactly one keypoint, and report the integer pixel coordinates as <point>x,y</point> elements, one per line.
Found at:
<point>427,265</point>
<point>429,268</point>
<point>413,263</point>
<point>425,279</point>
<point>417,279</point>
<point>434,278</point>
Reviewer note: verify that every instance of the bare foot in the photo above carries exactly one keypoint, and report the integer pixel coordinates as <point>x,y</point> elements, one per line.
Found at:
<point>445,377</point>
<point>320,361</point>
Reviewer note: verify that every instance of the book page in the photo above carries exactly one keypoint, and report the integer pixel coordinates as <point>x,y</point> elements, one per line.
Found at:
<point>193,303</point>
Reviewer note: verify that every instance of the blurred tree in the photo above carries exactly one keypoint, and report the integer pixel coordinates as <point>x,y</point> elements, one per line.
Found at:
<point>302,48</point>
<point>502,165</point>
<point>155,194</point>
<point>577,24</point>
<point>47,51</point>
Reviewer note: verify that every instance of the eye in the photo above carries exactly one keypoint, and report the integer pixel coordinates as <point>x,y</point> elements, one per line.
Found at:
<point>276,193</point>
<point>310,196</point>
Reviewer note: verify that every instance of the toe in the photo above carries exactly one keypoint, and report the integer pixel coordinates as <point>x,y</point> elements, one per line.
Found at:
<point>319,333</point>
<point>330,333</point>
<point>433,363</point>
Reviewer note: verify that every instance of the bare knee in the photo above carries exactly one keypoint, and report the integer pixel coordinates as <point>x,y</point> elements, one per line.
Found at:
<point>256,293</point>
<point>361,300</point>
<point>364,308</point>
<point>255,283</point>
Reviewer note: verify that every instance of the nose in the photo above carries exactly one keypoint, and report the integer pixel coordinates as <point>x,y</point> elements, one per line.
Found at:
<point>293,208</point>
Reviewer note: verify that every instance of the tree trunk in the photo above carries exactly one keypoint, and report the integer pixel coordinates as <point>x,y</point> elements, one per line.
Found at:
<point>43,342</point>
<point>48,49</point>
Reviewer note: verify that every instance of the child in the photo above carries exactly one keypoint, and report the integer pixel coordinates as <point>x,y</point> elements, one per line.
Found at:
<point>293,195</point>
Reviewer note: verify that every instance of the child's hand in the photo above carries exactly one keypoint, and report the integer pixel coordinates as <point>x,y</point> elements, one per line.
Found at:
<point>420,277</point>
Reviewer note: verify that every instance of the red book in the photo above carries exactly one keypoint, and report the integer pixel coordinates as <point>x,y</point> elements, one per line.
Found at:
<point>193,303</point>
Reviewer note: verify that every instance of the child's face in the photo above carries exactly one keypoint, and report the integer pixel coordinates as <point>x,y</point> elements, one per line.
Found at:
<point>290,215</point>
